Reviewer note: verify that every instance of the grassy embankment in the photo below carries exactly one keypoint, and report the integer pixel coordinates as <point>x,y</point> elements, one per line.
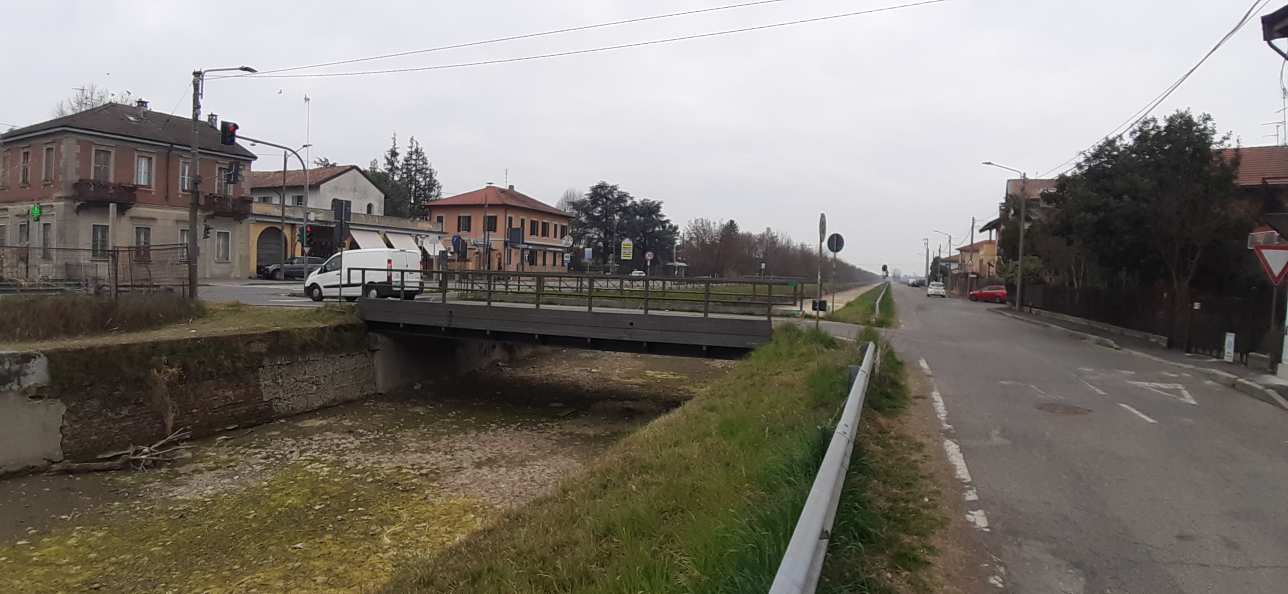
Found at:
<point>705,499</point>
<point>69,320</point>
<point>862,310</point>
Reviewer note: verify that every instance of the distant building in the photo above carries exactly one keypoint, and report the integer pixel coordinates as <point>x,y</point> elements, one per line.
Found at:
<point>504,229</point>
<point>117,176</point>
<point>314,208</point>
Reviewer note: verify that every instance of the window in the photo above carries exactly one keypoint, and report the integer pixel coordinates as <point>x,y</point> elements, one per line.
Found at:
<point>142,243</point>
<point>4,235</point>
<point>4,169</point>
<point>47,165</point>
<point>221,181</point>
<point>98,241</point>
<point>545,229</point>
<point>543,257</point>
<point>298,199</point>
<point>46,238</point>
<point>24,234</point>
<point>490,223</point>
<point>463,223</point>
<point>332,265</point>
<point>185,176</point>
<point>532,229</point>
<point>24,168</point>
<point>102,165</point>
<point>264,199</point>
<point>532,257</point>
<point>438,220</point>
<point>371,208</point>
<point>143,171</point>
<point>563,231</point>
<point>183,243</point>
<point>509,222</point>
<point>223,246</point>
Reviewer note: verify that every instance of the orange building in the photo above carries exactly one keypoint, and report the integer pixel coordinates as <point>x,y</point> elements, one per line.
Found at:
<point>503,229</point>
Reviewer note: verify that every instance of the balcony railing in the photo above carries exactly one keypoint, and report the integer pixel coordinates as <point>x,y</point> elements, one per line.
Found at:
<point>89,191</point>
<point>219,205</point>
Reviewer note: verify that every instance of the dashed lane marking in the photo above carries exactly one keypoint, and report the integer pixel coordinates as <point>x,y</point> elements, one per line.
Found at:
<point>1138,413</point>
<point>1093,388</point>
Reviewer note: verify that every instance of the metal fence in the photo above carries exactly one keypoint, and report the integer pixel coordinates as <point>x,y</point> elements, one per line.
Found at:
<point>146,268</point>
<point>707,295</point>
<point>802,562</point>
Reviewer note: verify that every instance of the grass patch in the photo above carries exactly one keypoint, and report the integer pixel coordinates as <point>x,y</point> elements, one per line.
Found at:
<point>701,500</point>
<point>215,320</point>
<point>862,309</point>
<point>24,318</point>
<point>889,511</point>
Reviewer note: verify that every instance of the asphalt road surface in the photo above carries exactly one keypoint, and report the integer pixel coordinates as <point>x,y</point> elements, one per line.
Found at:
<point>1086,469</point>
<point>275,293</point>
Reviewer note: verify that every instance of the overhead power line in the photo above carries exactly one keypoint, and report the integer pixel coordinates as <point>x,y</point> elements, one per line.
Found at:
<point>1139,115</point>
<point>601,48</point>
<point>516,37</point>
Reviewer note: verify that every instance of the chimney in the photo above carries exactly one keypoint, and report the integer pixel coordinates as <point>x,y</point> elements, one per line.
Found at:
<point>141,104</point>
<point>213,120</point>
<point>511,187</point>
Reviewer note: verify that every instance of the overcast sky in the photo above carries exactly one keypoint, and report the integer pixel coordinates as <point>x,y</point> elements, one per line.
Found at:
<point>881,121</point>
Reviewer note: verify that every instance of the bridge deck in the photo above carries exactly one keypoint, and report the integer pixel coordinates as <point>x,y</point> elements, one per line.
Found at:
<point>665,332</point>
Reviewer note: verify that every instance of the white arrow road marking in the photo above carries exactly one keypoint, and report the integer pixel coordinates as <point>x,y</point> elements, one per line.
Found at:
<point>1138,413</point>
<point>1176,391</point>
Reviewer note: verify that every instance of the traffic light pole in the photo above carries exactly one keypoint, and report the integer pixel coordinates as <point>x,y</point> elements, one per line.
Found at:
<point>285,239</point>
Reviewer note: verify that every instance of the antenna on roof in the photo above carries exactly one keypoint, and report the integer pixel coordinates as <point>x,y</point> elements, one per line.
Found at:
<point>507,178</point>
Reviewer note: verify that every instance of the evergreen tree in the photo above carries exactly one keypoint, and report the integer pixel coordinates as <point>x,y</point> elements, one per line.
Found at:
<point>419,179</point>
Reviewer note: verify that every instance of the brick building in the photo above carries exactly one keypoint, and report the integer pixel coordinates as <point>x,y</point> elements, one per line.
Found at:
<point>114,176</point>
<point>504,229</point>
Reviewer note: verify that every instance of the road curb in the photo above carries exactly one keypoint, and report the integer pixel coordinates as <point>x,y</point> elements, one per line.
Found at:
<point>1100,340</point>
<point>1225,378</point>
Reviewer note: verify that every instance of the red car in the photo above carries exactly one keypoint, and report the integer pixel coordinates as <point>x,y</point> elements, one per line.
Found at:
<point>994,293</point>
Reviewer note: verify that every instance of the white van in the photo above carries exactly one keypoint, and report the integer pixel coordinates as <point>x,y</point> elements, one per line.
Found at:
<point>371,273</point>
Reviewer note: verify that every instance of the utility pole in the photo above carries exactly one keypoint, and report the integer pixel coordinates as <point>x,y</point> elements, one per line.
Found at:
<point>822,230</point>
<point>194,178</point>
<point>974,251</point>
<point>285,239</point>
<point>925,241</point>
<point>1019,273</point>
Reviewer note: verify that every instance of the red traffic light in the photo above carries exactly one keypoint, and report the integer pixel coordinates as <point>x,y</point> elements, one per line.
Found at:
<point>228,133</point>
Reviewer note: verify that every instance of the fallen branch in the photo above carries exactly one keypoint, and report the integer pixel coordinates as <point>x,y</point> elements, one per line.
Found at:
<point>136,457</point>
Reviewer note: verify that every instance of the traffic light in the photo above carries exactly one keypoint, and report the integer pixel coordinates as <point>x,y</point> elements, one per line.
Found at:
<point>205,232</point>
<point>228,133</point>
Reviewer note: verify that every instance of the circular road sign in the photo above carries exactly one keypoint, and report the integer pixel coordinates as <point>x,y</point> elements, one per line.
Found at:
<point>648,256</point>
<point>835,242</point>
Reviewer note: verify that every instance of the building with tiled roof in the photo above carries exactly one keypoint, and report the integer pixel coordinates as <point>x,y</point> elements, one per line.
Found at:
<point>504,229</point>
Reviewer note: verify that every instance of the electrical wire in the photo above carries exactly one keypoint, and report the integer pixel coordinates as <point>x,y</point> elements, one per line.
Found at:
<point>515,37</point>
<point>601,48</point>
<point>1139,115</point>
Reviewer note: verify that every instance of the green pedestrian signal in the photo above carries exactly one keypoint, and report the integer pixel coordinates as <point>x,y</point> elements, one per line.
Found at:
<point>35,212</point>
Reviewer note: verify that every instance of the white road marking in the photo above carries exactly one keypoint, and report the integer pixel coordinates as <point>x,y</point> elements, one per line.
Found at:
<point>924,366</point>
<point>955,457</point>
<point>1138,413</point>
<point>1176,391</point>
<point>1041,393</point>
<point>1093,388</point>
<point>941,411</point>
<point>979,519</point>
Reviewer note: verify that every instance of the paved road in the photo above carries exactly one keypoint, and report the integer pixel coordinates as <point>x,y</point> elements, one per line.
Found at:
<point>1093,470</point>
<point>276,293</point>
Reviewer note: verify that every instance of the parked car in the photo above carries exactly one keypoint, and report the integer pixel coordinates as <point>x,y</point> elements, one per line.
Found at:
<point>372,273</point>
<point>993,293</point>
<point>936,289</point>
<point>298,267</point>
<point>637,273</point>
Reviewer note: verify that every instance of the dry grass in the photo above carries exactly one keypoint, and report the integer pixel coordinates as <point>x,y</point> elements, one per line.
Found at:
<point>216,320</point>
<point>25,318</point>
<point>862,310</point>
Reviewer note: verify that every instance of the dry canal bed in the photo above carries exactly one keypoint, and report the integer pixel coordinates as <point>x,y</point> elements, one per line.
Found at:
<point>332,500</point>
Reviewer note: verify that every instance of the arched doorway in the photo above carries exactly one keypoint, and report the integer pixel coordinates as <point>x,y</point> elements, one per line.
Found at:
<point>268,249</point>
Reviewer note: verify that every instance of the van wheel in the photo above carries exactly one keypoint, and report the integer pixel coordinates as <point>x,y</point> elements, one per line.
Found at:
<point>370,292</point>
<point>315,292</point>
<point>408,296</point>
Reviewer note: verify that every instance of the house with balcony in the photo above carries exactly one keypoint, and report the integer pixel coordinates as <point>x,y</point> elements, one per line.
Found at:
<point>503,229</point>
<point>117,176</point>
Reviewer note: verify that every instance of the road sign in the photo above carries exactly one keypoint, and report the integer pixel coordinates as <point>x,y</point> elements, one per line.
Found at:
<point>648,256</point>
<point>628,249</point>
<point>588,255</point>
<point>1274,260</point>
<point>822,226</point>
<point>835,243</point>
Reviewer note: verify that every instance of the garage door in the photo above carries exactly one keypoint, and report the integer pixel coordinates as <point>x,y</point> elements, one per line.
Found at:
<point>268,249</point>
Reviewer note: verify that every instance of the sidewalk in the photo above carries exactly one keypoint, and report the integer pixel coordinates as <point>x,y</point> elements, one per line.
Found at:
<point>1262,386</point>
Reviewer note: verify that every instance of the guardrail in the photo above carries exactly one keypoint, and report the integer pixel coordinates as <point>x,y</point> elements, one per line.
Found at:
<point>876,312</point>
<point>802,562</point>
<point>630,292</point>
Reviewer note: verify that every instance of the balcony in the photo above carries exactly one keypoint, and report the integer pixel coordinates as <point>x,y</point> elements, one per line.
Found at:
<point>88,192</point>
<point>219,205</point>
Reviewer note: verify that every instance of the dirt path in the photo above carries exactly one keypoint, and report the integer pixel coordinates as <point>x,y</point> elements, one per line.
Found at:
<point>331,500</point>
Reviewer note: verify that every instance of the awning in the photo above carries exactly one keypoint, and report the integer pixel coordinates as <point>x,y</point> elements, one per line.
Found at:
<point>402,241</point>
<point>366,239</point>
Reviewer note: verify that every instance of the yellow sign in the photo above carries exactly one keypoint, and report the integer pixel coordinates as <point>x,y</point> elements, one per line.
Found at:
<point>628,249</point>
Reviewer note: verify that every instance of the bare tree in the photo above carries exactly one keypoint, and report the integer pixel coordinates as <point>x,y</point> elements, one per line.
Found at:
<point>565,201</point>
<point>324,162</point>
<point>86,97</point>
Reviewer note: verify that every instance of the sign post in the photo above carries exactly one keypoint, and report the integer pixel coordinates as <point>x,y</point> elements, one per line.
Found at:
<point>1274,261</point>
<point>822,231</point>
<point>628,250</point>
<point>648,262</point>
<point>835,243</point>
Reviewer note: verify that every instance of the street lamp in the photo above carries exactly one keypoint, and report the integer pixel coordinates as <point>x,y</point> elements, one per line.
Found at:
<point>940,268</point>
<point>1024,199</point>
<point>286,242</point>
<point>194,171</point>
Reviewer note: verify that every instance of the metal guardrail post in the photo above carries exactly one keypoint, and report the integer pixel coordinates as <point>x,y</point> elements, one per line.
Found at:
<point>442,284</point>
<point>646,295</point>
<point>877,308</point>
<point>706,298</point>
<point>802,562</point>
<point>489,289</point>
<point>769,302</point>
<point>541,286</point>
<point>590,293</point>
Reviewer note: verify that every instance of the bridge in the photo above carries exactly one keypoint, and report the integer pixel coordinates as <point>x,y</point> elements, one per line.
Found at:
<point>713,318</point>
